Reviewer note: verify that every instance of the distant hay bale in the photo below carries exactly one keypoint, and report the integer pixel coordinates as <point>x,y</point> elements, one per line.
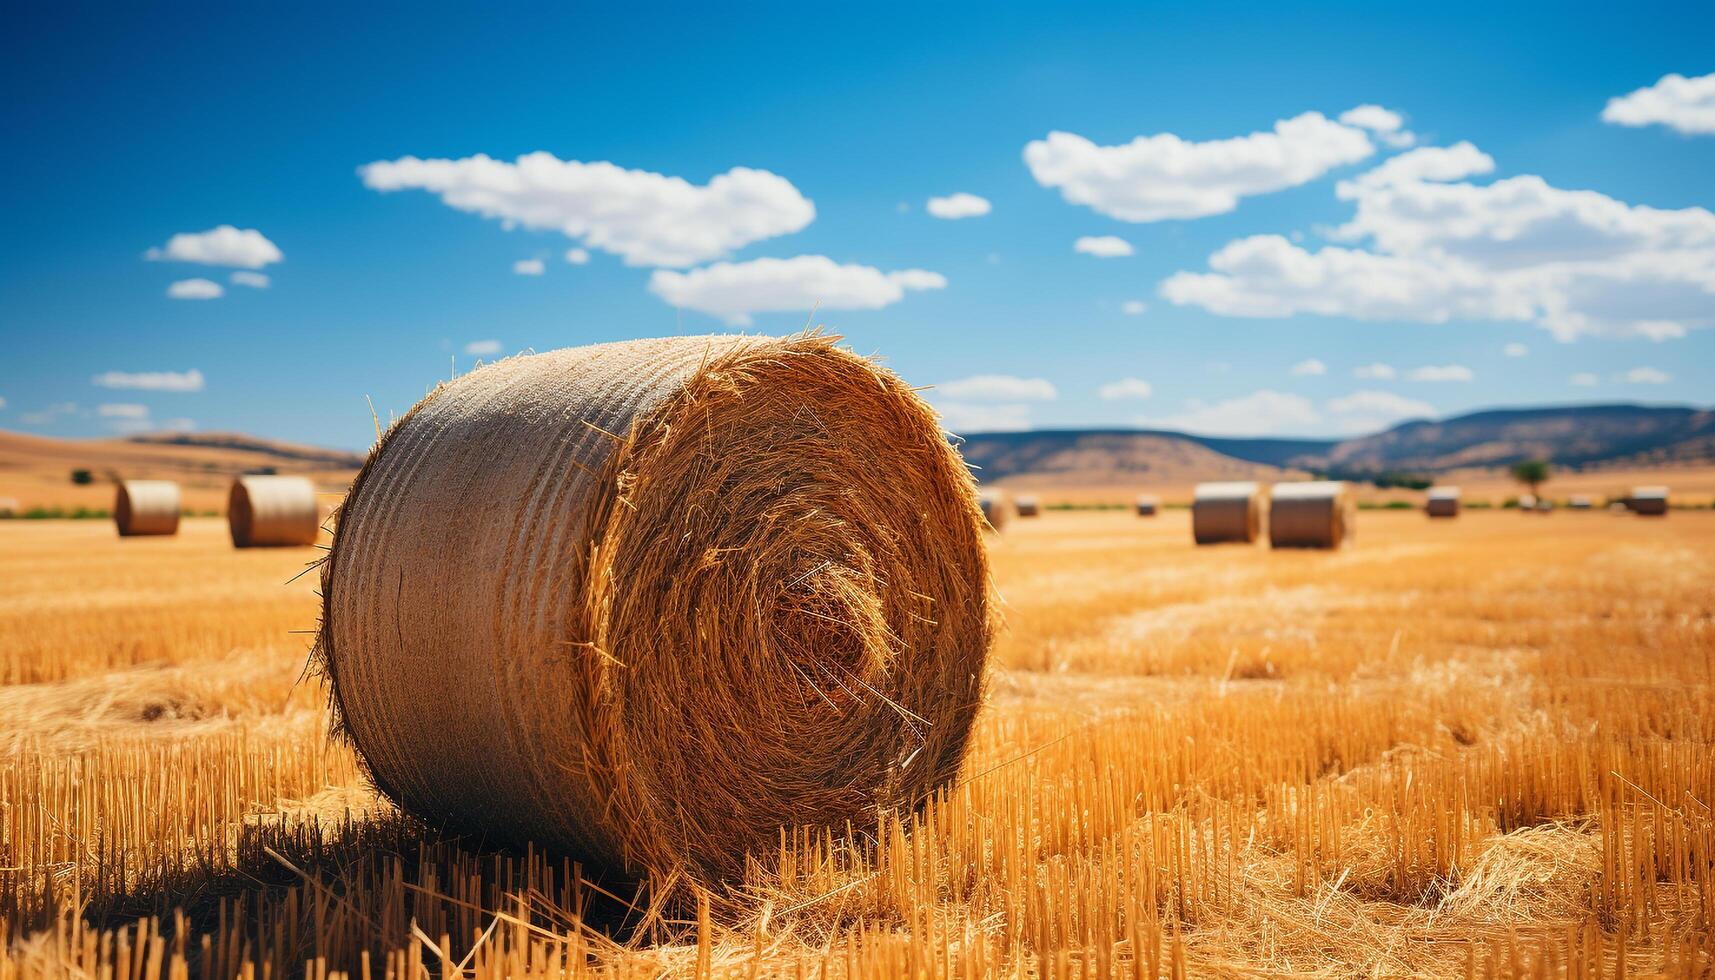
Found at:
<point>1312,514</point>
<point>1442,502</point>
<point>644,603</point>
<point>1147,505</point>
<point>1649,501</point>
<point>996,507</point>
<point>1223,512</point>
<point>1027,506</point>
<point>272,511</point>
<point>1580,501</point>
<point>146,507</point>
<point>1527,503</point>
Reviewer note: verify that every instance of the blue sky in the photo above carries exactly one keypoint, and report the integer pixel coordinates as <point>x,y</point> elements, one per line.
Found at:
<point>766,157</point>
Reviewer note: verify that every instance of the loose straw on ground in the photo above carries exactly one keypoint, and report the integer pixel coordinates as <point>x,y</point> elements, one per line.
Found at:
<point>146,508</point>
<point>1312,514</point>
<point>647,602</point>
<point>1223,512</point>
<point>272,511</point>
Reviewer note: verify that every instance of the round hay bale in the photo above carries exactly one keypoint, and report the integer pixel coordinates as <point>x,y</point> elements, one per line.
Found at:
<point>1222,512</point>
<point>1649,501</point>
<point>1442,502</point>
<point>1147,505</point>
<point>1527,504</point>
<point>1312,514</point>
<point>644,603</point>
<point>996,507</point>
<point>272,511</point>
<point>146,508</point>
<point>1580,501</point>
<point>1027,506</point>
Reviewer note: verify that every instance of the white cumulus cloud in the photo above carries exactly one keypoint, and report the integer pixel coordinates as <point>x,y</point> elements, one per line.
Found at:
<point>1583,379</point>
<point>968,417</point>
<point>1443,163</point>
<point>1260,413</point>
<point>245,248</point>
<point>1684,104</point>
<point>1577,263</point>
<point>195,289</point>
<point>1441,372</point>
<point>1367,411</point>
<point>1134,307</point>
<point>1160,177</point>
<point>1309,367</point>
<point>646,218</point>
<point>960,205</point>
<point>181,381</point>
<point>1103,246</point>
<point>734,291</point>
<point>1646,376</point>
<point>577,256</point>
<point>998,388</point>
<point>1515,350</point>
<point>1388,125</point>
<point>255,280</point>
<point>482,348</point>
<point>529,267</point>
<point>1126,388</point>
<point>1374,372</point>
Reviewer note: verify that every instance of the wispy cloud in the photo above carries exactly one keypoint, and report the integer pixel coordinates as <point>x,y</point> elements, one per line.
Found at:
<point>195,289</point>
<point>960,205</point>
<point>735,291</point>
<point>1309,367</point>
<point>482,348</point>
<point>182,381</point>
<point>1103,246</point>
<point>1126,388</point>
<point>998,387</point>
<point>1441,372</point>
<point>1646,376</point>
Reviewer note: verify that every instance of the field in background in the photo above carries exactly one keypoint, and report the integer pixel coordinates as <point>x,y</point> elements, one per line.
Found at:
<point>1479,745</point>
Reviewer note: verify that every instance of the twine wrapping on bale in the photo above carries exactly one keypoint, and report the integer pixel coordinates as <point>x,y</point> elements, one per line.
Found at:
<point>647,602</point>
<point>146,507</point>
<point>1649,501</point>
<point>996,507</point>
<point>1442,502</point>
<point>1312,514</point>
<point>272,511</point>
<point>1027,506</point>
<point>1147,505</point>
<point>1222,512</point>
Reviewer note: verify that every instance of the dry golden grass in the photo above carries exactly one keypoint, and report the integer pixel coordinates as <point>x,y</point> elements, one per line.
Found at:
<point>1482,746</point>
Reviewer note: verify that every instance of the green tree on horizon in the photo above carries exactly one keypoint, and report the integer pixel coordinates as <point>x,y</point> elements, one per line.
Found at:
<point>1532,473</point>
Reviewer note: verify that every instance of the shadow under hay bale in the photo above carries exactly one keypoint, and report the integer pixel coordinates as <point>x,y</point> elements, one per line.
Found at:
<point>1226,512</point>
<point>1442,502</point>
<point>646,602</point>
<point>1312,514</point>
<point>272,512</point>
<point>144,508</point>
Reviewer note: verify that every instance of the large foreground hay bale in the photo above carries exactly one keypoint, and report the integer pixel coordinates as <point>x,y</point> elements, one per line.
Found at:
<point>1027,505</point>
<point>996,507</point>
<point>646,602</point>
<point>1649,501</point>
<point>1442,502</point>
<point>1312,514</point>
<point>146,507</point>
<point>272,511</point>
<point>1222,512</point>
<point>1147,505</point>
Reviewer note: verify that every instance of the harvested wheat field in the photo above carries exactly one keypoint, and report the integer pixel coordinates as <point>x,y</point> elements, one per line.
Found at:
<point>1472,747</point>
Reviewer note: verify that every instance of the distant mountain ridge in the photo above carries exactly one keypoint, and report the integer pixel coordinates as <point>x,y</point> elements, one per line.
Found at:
<point>1573,436</point>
